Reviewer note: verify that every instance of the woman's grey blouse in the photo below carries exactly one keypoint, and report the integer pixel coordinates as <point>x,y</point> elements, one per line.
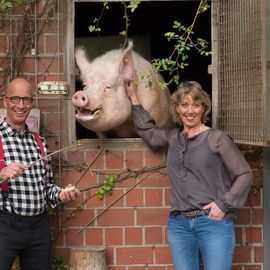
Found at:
<point>205,168</point>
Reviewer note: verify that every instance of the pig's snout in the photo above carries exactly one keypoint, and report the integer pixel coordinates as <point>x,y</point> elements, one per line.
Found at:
<point>80,99</point>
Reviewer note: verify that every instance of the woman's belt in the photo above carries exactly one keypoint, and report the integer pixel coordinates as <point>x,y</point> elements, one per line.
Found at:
<point>190,213</point>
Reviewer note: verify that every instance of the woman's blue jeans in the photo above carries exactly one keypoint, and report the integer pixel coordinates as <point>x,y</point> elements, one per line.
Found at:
<point>192,238</point>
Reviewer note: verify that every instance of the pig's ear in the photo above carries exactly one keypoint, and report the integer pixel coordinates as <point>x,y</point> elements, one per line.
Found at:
<point>82,61</point>
<point>126,67</point>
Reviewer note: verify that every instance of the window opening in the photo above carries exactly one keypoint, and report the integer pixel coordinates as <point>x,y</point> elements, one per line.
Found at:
<point>148,24</point>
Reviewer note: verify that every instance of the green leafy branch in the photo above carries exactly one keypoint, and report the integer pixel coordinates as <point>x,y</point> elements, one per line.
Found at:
<point>95,26</point>
<point>132,6</point>
<point>6,5</point>
<point>58,262</point>
<point>183,40</point>
<point>181,37</point>
<point>102,189</point>
<point>107,186</point>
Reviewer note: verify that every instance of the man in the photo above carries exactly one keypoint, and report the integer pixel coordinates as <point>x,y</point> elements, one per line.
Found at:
<point>24,227</point>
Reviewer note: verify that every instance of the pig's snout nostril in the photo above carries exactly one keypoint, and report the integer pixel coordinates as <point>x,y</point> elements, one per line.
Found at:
<point>80,99</point>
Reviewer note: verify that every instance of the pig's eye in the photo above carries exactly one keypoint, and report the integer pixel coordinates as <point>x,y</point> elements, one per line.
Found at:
<point>84,86</point>
<point>107,87</point>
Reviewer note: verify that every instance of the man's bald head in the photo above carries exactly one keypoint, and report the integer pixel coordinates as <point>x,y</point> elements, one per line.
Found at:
<point>18,85</point>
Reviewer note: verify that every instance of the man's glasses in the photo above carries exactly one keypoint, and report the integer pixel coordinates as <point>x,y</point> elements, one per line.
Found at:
<point>17,99</point>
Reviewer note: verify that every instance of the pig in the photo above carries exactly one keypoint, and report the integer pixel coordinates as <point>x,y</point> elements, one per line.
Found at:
<point>103,105</point>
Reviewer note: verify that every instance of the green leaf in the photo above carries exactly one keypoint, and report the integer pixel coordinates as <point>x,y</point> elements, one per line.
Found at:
<point>65,230</point>
<point>79,207</point>
<point>133,5</point>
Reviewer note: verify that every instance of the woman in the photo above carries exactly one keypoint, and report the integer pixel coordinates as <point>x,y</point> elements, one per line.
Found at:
<point>209,178</point>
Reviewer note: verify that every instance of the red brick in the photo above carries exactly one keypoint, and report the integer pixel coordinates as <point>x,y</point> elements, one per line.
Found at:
<point>153,235</point>
<point>48,105</point>
<point>59,240</point>
<point>98,163</point>
<point>153,158</point>
<point>239,235</point>
<point>40,6</point>
<point>117,217</point>
<point>74,157</point>
<point>40,45</point>
<point>135,197</point>
<point>81,218</point>
<point>50,64</point>
<point>156,180</point>
<point>152,216</point>
<point>258,177</point>
<point>134,159</point>
<point>133,236</point>
<point>256,163</point>
<point>94,236</point>
<point>254,199</point>
<point>114,159</point>
<point>62,252</point>
<point>166,237</point>
<point>167,197</point>
<point>237,267</point>
<point>243,216</point>
<point>129,182</point>
<point>69,177</point>
<point>254,235</point>
<point>74,204</point>
<point>163,255</point>
<point>51,44</point>
<point>111,255</point>
<point>115,197</point>
<point>154,197</point>
<point>80,178</point>
<point>53,143</point>
<point>50,77</point>
<point>48,25</point>
<point>73,238</point>
<point>28,64</point>
<point>54,123</point>
<point>114,236</point>
<point>3,43</point>
<point>242,254</point>
<point>257,216</point>
<point>94,201</point>
<point>134,255</point>
<point>258,254</point>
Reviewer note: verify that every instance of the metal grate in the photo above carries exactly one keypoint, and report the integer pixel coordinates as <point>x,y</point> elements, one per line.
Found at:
<point>240,77</point>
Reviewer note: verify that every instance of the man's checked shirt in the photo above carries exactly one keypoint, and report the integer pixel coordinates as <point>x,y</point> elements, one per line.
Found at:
<point>29,193</point>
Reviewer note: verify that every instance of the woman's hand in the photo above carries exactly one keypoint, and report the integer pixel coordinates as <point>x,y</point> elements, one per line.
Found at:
<point>131,89</point>
<point>214,211</point>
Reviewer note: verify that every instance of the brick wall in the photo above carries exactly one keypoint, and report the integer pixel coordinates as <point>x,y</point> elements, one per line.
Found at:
<point>31,45</point>
<point>134,228</point>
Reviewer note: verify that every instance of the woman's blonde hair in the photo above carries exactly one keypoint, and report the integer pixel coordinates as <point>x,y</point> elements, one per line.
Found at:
<point>194,89</point>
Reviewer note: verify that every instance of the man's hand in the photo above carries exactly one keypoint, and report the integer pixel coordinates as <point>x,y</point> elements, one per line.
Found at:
<point>69,193</point>
<point>12,170</point>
